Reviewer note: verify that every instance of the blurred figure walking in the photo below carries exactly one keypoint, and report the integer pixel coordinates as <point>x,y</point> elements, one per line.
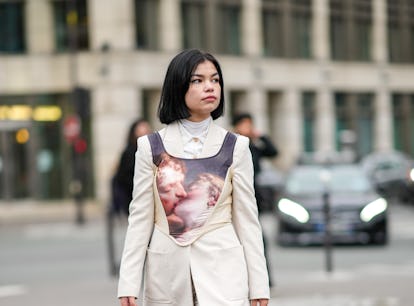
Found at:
<point>122,181</point>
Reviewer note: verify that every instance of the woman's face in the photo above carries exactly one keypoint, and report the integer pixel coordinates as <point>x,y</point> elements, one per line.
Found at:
<point>204,93</point>
<point>142,129</point>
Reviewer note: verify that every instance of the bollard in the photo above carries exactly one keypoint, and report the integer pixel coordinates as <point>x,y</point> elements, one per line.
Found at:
<point>328,232</point>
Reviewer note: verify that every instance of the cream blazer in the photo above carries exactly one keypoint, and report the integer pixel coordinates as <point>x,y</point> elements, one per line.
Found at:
<point>226,264</point>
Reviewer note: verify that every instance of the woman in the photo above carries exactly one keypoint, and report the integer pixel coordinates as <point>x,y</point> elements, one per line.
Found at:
<point>216,260</point>
<point>122,181</point>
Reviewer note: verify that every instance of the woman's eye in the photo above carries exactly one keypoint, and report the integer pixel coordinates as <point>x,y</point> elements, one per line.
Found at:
<point>195,81</point>
<point>216,80</point>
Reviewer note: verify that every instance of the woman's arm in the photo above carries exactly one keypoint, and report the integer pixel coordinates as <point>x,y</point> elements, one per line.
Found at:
<point>246,221</point>
<point>140,223</point>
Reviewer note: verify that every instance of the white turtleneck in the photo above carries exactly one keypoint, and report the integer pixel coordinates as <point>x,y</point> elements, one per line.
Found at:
<point>193,135</point>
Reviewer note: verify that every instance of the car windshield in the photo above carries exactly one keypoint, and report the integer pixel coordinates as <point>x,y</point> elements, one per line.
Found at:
<point>348,178</point>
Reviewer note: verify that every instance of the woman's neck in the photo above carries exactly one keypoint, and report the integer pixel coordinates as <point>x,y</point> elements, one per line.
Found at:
<point>196,128</point>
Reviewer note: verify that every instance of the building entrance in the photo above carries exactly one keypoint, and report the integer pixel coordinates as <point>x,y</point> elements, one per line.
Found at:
<point>36,160</point>
<point>14,162</point>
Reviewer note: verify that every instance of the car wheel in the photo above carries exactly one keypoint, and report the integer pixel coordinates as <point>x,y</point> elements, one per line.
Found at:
<point>379,238</point>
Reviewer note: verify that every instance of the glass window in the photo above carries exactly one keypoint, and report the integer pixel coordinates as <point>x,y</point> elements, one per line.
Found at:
<point>308,108</point>
<point>287,28</point>
<point>12,36</point>
<point>147,18</point>
<point>212,25</point>
<point>403,119</point>
<point>71,25</point>
<point>354,113</point>
<point>400,16</point>
<point>272,39</point>
<point>39,161</point>
<point>302,35</point>
<point>229,27</point>
<point>351,27</point>
<point>194,24</point>
<point>364,125</point>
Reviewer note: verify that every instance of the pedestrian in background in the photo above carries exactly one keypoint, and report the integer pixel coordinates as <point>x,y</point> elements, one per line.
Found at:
<point>216,258</point>
<point>122,181</point>
<point>260,146</point>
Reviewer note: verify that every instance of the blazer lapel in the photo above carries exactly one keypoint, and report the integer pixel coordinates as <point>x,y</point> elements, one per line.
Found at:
<point>213,141</point>
<point>173,142</point>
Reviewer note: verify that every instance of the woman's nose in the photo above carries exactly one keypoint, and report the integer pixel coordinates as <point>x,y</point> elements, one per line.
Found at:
<point>208,85</point>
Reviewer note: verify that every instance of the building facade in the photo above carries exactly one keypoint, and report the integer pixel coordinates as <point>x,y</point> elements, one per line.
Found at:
<point>75,73</point>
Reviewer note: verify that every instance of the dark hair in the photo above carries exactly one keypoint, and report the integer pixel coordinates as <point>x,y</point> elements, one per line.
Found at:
<point>172,105</point>
<point>132,139</point>
<point>239,117</point>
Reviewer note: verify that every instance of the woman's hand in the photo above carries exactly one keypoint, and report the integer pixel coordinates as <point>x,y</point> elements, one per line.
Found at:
<point>129,301</point>
<point>259,302</point>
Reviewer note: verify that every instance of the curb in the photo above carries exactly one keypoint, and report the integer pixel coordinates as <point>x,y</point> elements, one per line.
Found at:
<point>32,211</point>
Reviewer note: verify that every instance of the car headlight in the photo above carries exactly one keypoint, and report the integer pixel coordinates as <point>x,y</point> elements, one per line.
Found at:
<point>411,175</point>
<point>294,210</point>
<point>373,209</point>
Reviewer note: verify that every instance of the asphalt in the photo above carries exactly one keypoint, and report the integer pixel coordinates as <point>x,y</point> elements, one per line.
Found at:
<point>311,293</point>
<point>32,211</point>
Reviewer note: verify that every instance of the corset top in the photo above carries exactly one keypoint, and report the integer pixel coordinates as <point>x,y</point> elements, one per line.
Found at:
<point>190,189</point>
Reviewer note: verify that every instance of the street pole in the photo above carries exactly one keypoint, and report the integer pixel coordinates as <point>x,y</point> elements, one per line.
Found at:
<point>76,187</point>
<point>326,199</point>
<point>328,231</point>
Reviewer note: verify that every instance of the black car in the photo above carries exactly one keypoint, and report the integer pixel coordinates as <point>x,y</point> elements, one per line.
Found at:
<point>388,171</point>
<point>358,213</point>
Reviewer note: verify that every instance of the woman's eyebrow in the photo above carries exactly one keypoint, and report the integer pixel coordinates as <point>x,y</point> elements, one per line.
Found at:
<point>201,75</point>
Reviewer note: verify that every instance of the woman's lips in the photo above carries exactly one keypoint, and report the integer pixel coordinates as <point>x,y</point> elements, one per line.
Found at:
<point>210,98</point>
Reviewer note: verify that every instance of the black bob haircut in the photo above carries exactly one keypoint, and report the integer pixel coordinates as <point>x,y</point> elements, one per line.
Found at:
<point>172,105</point>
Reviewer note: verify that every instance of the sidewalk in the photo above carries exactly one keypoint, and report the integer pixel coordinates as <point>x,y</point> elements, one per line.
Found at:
<point>34,211</point>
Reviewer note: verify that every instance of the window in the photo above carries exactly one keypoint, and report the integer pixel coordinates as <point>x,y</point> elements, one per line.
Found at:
<point>287,28</point>
<point>403,121</point>
<point>147,17</point>
<point>12,36</point>
<point>71,25</point>
<point>354,114</point>
<point>308,110</point>
<point>194,24</point>
<point>37,161</point>
<point>400,14</point>
<point>351,29</point>
<point>229,28</point>
<point>212,25</point>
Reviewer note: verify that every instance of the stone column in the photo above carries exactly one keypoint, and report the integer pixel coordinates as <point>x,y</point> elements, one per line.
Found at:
<point>320,41</point>
<point>111,23</point>
<point>257,103</point>
<point>325,121</point>
<point>252,43</point>
<point>39,26</point>
<point>383,127</point>
<point>113,109</point>
<point>170,25</point>
<point>383,111</point>
<point>291,126</point>
<point>325,117</point>
<point>379,37</point>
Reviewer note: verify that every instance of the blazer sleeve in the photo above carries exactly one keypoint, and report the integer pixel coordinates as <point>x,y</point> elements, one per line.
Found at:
<point>246,221</point>
<point>140,222</point>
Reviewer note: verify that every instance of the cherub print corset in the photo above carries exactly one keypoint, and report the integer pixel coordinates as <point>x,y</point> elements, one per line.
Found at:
<point>189,188</point>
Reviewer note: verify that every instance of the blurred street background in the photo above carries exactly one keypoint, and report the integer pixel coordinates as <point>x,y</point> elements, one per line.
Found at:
<point>51,260</point>
<point>329,81</point>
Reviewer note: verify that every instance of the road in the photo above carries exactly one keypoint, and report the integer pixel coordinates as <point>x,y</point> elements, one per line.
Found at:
<point>65,264</point>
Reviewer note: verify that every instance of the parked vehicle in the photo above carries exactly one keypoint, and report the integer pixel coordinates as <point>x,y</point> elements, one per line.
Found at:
<point>388,172</point>
<point>407,192</point>
<point>358,213</point>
